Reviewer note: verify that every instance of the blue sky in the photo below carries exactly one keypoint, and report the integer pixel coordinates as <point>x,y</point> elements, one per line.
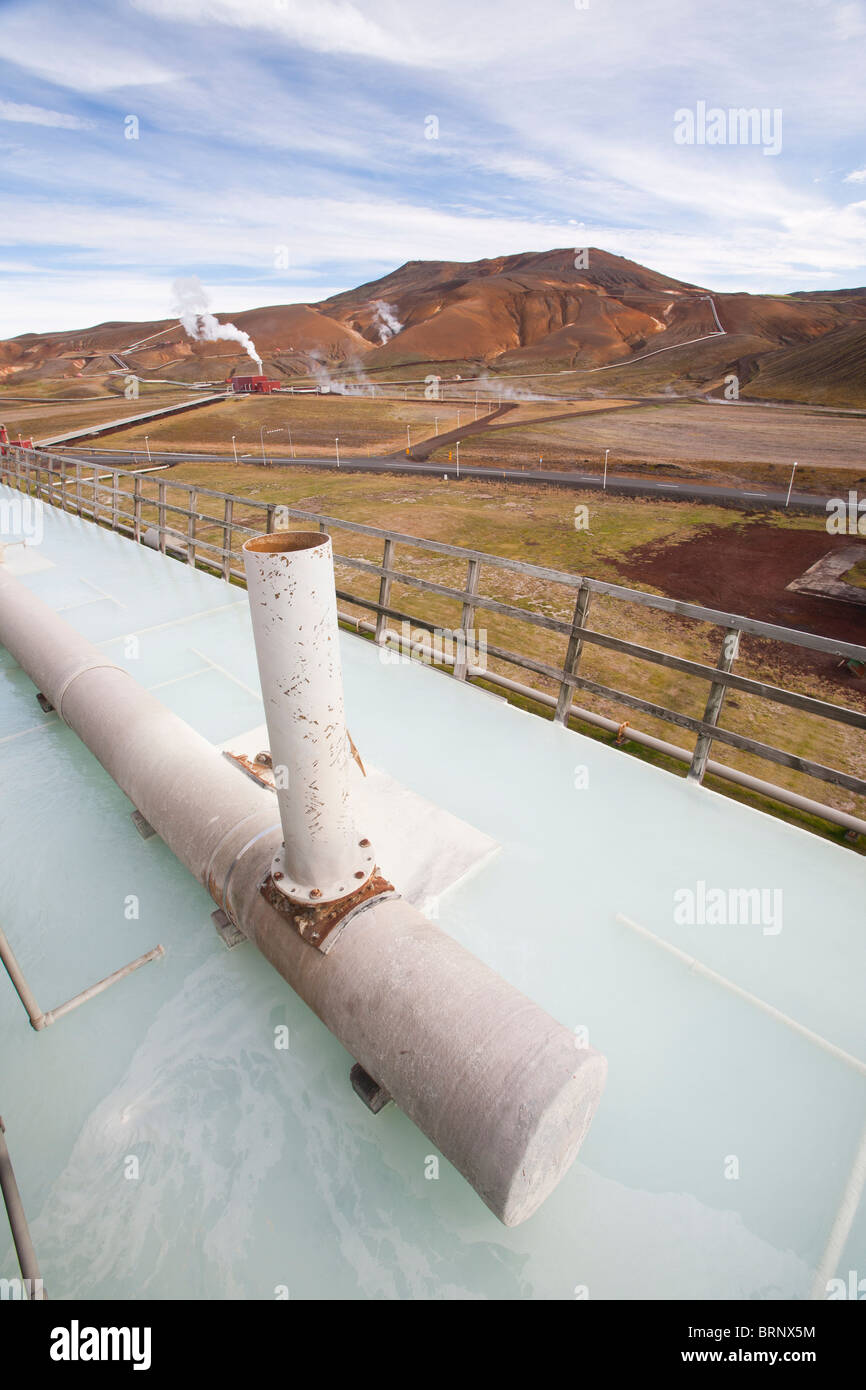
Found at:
<point>283,149</point>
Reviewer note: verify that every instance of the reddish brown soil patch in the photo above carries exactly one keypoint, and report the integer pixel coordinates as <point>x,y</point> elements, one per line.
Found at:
<point>744,570</point>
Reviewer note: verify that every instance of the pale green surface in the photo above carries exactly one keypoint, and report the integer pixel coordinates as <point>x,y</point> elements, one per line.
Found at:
<point>260,1167</point>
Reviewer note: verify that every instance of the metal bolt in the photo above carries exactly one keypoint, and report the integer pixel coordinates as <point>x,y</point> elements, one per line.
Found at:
<point>360,874</point>
<point>315,892</point>
<point>363,843</point>
<point>277,875</point>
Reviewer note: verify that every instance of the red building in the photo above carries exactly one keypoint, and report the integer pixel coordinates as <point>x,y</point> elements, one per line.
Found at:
<point>260,385</point>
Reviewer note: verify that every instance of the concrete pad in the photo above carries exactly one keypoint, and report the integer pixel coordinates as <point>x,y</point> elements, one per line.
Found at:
<point>825,576</point>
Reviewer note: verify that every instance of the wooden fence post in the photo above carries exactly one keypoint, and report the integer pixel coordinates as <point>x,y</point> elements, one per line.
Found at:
<point>136,507</point>
<point>572,655</point>
<point>192,501</point>
<point>384,591</point>
<point>227,538</point>
<point>467,621</point>
<point>715,700</point>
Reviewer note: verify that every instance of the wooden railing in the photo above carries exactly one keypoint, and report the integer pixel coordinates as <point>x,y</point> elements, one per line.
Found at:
<point>181,529</point>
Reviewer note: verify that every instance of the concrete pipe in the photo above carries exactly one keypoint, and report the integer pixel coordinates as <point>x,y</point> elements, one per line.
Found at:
<point>290,579</point>
<point>497,1084</point>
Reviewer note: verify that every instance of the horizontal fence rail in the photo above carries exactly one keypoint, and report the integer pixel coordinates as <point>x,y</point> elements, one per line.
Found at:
<point>117,498</point>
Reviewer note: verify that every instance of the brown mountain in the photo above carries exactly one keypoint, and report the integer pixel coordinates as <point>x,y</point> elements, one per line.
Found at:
<point>514,315</point>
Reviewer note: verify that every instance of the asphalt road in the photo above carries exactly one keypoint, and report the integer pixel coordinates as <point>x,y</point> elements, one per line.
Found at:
<point>574,480</point>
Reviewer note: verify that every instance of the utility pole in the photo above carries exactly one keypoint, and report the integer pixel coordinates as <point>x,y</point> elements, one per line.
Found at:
<point>291,445</point>
<point>235,447</point>
<point>604,487</point>
<point>262,442</point>
<point>147,447</point>
<point>337,445</point>
<point>457,455</point>
<point>790,485</point>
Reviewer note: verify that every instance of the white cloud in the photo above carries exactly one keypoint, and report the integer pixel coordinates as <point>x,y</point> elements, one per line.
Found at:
<point>856,176</point>
<point>40,303</point>
<point>849,21</point>
<point>77,50</point>
<point>38,115</point>
<point>805,243</point>
<point>328,26</point>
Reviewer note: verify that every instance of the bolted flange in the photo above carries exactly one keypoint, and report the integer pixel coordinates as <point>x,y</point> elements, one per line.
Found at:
<point>320,924</point>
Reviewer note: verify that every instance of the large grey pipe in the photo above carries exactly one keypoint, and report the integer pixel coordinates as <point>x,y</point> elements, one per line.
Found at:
<point>499,1086</point>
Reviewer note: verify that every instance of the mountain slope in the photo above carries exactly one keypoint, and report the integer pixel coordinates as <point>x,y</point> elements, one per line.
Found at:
<point>516,315</point>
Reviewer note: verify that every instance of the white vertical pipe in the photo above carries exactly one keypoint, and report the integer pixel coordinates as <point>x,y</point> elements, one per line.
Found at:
<point>290,578</point>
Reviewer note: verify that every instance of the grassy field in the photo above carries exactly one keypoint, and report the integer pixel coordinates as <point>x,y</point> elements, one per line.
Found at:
<point>363,426</point>
<point>856,575</point>
<point>58,390</point>
<point>726,445</point>
<point>719,443</point>
<point>310,424</point>
<point>44,419</point>
<point>538,525</point>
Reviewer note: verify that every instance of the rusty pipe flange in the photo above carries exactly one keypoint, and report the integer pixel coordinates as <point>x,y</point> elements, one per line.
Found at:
<point>320,925</point>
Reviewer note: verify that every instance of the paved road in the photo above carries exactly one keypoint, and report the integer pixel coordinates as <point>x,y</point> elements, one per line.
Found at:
<point>573,480</point>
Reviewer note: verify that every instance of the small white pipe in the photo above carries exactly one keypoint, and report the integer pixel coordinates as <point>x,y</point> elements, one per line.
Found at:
<point>27,1261</point>
<point>22,989</point>
<point>91,992</point>
<point>40,1020</point>
<point>293,603</point>
<point>698,968</point>
<point>670,750</point>
<point>842,1225</point>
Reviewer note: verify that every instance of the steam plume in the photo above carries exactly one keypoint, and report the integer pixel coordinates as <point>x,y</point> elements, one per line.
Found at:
<point>361,386</point>
<point>385,320</point>
<point>191,304</point>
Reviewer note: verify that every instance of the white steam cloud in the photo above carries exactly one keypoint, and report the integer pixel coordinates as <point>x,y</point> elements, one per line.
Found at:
<point>192,306</point>
<point>360,386</point>
<point>494,389</point>
<point>385,320</point>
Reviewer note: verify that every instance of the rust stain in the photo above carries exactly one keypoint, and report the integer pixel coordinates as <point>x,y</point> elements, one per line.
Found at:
<point>315,924</point>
